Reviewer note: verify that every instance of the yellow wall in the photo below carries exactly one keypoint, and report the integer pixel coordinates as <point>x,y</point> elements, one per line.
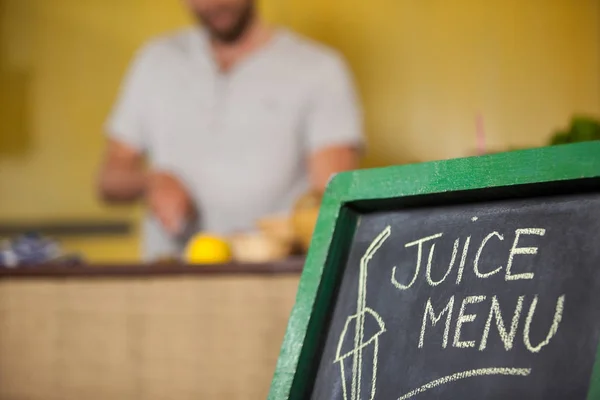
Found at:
<point>61,62</point>
<point>74,53</point>
<point>424,69</point>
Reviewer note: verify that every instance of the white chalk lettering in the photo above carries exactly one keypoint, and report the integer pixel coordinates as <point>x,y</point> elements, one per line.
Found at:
<point>560,303</point>
<point>478,255</point>
<point>429,312</point>
<point>522,250</point>
<point>463,260</point>
<point>419,257</point>
<point>357,322</point>
<point>428,271</point>
<point>464,318</point>
<point>507,337</point>
<point>467,374</point>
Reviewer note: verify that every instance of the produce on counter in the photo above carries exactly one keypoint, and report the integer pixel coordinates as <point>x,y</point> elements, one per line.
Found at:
<point>582,129</point>
<point>304,218</point>
<point>207,249</point>
<point>33,249</point>
<point>276,237</point>
<point>279,227</point>
<point>257,247</point>
<point>279,236</point>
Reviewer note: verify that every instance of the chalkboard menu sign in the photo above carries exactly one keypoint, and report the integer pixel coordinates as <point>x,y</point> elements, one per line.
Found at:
<point>474,278</point>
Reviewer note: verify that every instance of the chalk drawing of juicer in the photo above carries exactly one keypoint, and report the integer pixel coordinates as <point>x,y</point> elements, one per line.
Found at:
<point>358,345</point>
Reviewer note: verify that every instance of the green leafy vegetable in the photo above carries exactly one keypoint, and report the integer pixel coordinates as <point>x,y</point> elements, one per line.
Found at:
<point>582,129</point>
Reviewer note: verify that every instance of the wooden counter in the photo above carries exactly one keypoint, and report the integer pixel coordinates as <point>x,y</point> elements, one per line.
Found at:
<point>143,332</point>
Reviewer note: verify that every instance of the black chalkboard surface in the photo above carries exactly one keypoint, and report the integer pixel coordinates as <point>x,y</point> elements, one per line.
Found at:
<point>498,300</point>
<point>475,278</point>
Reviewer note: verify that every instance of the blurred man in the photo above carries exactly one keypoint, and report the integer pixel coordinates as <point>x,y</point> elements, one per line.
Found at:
<point>236,120</point>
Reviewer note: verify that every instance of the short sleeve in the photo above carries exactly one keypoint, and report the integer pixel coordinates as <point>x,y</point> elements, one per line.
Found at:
<point>334,113</point>
<point>130,111</point>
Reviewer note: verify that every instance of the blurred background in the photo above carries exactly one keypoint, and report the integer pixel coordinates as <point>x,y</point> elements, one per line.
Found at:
<point>424,69</point>
<point>438,79</point>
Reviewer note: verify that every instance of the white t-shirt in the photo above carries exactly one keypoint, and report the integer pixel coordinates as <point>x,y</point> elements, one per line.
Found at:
<point>238,140</point>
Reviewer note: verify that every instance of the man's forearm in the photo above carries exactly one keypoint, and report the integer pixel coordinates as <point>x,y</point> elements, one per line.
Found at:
<point>324,163</point>
<point>122,184</point>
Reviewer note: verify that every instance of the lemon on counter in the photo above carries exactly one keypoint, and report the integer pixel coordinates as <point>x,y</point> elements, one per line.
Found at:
<point>207,249</point>
<point>304,217</point>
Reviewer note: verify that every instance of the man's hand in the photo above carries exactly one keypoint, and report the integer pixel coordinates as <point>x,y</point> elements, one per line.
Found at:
<point>123,178</point>
<point>169,201</point>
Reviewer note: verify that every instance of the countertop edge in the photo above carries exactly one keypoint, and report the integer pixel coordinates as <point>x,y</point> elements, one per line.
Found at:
<point>49,271</point>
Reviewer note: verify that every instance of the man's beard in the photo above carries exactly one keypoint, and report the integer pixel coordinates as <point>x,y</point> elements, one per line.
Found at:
<point>230,35</point>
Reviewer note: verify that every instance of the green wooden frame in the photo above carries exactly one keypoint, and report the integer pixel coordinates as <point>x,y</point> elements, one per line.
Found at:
<point>337,221</point>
